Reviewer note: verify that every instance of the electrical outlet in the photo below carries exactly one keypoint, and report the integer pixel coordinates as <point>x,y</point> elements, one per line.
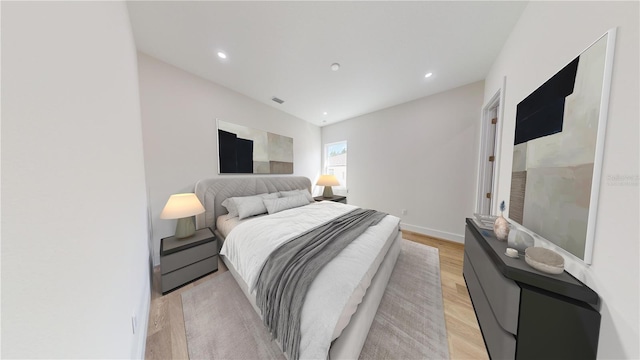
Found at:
<point>404,211</point>
<point>134,323</point>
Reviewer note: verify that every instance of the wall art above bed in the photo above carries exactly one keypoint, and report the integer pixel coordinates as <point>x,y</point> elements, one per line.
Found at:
<point>244,150</point>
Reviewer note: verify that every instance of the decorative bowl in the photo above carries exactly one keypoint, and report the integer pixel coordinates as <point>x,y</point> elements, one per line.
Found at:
<point>545,260</point>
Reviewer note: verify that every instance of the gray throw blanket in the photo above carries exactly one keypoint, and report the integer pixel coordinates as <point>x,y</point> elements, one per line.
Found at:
<point>289,271</point>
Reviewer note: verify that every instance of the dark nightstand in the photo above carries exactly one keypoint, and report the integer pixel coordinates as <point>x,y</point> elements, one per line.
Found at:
<point>336,198</point>
<point>185,260</point>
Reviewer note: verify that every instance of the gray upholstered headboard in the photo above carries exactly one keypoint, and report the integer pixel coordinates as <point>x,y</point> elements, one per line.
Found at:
<point>212,192</point>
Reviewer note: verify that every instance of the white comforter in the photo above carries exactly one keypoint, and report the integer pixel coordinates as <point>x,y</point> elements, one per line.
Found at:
<point>340,285</point>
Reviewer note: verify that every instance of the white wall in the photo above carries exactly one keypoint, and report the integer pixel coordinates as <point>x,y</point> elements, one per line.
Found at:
<point>548,36</point>
<point>74,228</point>
<point>420,156</point>
<point>179,112</point>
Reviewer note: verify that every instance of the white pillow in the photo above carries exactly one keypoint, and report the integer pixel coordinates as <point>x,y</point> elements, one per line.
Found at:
<point>232,208</point>
<point>252,205</point>
<point>297,192</point>
<point>284,203</point>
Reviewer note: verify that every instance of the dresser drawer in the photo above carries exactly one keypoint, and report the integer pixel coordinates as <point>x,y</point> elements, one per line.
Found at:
<point>502,294</point>
<point>184,275</point>
<point>179,259</point>
<point>500,343</point>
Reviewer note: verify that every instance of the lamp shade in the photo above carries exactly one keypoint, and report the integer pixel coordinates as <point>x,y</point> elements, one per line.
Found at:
<point>328,180</point>
<point>181,206</point>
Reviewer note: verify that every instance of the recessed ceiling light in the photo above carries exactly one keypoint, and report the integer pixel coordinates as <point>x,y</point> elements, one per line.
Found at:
<point>428,75</point>
<point>324,113</point>
<point>222,55</point>
<point>335,66</point>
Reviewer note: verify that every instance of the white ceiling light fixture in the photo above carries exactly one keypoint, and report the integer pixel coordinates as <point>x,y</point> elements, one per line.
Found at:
<point>335,66</point>
<point>222,55</point>
<point>324,113</point>
<point>428,75</point>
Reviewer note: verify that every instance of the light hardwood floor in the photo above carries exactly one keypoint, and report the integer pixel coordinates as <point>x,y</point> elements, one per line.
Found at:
<point>166,337</point>
<point>463,332</point>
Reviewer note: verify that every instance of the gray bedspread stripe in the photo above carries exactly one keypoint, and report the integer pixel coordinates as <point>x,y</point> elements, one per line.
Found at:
<point>289,271</point>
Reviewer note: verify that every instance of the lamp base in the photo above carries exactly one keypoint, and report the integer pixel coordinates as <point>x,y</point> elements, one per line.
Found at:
<point>185,227</point>
<point>328,192</point>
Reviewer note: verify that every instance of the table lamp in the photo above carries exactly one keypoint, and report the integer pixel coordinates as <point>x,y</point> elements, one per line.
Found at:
<point>182,207</point>
<point>327,181</point>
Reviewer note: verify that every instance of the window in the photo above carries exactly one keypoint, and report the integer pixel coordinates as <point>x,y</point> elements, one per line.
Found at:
<point>335,163</point>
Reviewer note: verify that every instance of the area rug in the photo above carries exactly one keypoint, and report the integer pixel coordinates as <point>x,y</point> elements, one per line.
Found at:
<point>221,324</point>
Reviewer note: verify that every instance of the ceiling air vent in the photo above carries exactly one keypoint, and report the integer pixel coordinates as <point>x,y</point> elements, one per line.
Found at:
<point>279,101</point>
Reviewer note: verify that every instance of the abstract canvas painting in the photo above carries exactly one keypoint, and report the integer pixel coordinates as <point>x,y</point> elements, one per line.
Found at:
<point>558,149</point>
<point>242,149</point>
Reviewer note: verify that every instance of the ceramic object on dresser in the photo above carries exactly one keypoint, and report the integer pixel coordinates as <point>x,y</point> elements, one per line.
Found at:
<point>545,260</point>
<point>501,226</point>
<point>512,253</point>
<point>519,239</point>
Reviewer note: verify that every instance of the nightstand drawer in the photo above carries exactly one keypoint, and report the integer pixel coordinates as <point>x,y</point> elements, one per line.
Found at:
<point>179,259</point>
<point>186,274</point>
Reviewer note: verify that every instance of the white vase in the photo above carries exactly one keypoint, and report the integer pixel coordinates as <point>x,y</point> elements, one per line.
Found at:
<point>501,228</point>
<point>519,240</point>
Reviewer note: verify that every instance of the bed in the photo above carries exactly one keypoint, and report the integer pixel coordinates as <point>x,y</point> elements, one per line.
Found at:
<point>334,323</point>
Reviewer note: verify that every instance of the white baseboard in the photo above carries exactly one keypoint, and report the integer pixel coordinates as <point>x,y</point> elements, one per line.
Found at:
<point>433,232</point>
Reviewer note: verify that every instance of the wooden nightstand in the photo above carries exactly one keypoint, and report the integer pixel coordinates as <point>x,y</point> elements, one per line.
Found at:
<point>336,198</point>
<point>185,260</point>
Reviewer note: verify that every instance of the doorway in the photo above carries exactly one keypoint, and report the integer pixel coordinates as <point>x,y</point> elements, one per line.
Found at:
<point>490,134</point>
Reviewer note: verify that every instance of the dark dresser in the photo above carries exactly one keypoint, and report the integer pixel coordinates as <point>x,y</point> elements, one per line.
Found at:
<point>524,313</point>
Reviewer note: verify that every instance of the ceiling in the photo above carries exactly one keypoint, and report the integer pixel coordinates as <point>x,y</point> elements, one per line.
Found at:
<point>285,49</point>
